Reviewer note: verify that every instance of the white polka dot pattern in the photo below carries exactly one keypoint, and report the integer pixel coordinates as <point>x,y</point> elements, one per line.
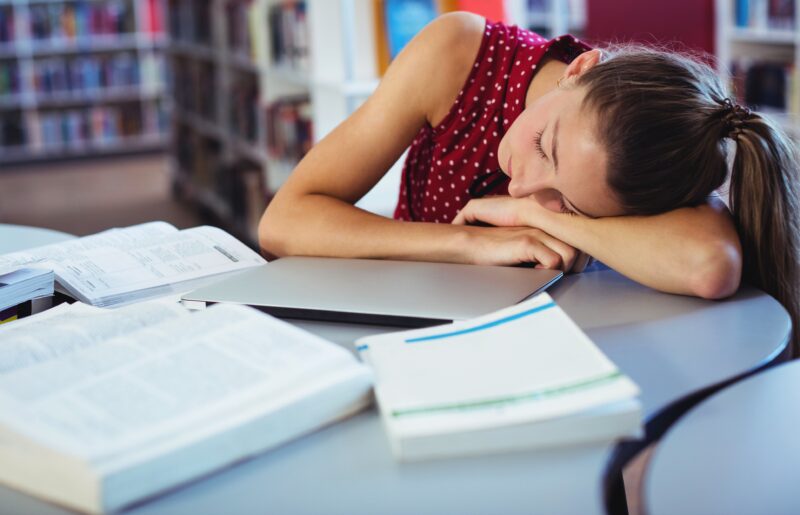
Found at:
<point>444,161</point>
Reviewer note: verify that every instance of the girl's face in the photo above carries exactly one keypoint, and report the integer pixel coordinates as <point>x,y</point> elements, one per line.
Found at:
<point>551,153</point>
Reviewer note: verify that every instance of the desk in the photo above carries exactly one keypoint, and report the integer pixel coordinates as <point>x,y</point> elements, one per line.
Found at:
<point>672,346</point>
<point>18,237</point>
<point>735,453</point>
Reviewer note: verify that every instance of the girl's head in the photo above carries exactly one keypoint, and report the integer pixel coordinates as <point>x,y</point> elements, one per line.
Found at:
<point>649,131</point>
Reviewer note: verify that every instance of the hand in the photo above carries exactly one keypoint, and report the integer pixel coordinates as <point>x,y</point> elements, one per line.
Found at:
<point>519,245</point>
<point>501,211</point>
<point>504,211</point>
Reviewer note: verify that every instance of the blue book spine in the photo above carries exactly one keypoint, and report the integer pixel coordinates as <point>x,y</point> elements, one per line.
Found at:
<point>742,13</point>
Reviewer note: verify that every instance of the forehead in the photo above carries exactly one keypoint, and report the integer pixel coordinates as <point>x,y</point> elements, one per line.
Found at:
<point>582,159</point>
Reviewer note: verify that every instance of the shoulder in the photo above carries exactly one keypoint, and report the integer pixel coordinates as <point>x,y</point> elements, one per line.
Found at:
<point>456,30</point>
<point>445,51</point>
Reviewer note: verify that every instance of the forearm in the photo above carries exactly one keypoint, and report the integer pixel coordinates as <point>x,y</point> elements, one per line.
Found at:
<point>320,225</point>
<point>692,251</point>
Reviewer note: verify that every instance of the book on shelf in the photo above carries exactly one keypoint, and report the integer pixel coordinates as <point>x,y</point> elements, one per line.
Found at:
<point>244,100</point>
<point>6,24</point>
<point>190,21</point>
<point>768,86</point>
<point>403,19</point>
<point>150,396</point>
<point>289,128</point>
<point>765,14</point>
<point>71,20</point>
<point>121,266</point>
<point>85,75</point>
<point>245,28</point>
<point>289,39</point>
<point>9,78</point>
<point>12,130</point>
<point>153,17</point>
<point>519,378</point>
<point>77,128</point>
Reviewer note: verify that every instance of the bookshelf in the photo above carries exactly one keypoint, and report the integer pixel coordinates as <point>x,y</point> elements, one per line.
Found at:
<point>758,54</point>
<point>549,18</point>
<point>80,78</point>
<point>255,83</point>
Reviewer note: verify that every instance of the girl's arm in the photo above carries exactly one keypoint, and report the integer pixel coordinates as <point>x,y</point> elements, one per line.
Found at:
<point>692,251</point>
<point>313,213</point>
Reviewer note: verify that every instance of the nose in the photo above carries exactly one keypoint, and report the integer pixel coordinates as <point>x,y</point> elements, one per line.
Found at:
<point>529,181</point>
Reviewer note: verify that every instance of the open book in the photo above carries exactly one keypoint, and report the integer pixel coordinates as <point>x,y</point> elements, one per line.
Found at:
<point>121,266</point>
<point>101,408</point>
<point>522,377</point>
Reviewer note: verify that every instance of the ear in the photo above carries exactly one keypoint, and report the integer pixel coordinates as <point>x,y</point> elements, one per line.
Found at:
<point>583,62</point>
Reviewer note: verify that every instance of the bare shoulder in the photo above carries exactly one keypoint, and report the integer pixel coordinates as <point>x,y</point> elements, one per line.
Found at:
<point>443,53</point>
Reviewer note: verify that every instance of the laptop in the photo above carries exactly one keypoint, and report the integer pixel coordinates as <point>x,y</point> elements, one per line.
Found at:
<point>372,291</point>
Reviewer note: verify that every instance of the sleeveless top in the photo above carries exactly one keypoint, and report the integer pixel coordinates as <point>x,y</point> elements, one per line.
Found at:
<point>447,164</point>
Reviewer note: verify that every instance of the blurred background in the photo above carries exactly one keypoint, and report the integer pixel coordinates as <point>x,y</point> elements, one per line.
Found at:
<point>118,112</point>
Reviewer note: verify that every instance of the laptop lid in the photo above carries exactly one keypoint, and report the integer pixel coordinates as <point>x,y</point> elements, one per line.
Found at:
<point>383,292</point>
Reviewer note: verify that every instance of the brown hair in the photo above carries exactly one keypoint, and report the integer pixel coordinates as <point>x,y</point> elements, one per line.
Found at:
<point>664,119</point>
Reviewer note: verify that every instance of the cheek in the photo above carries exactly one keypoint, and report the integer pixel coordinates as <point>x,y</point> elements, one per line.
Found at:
<point>549,199</point>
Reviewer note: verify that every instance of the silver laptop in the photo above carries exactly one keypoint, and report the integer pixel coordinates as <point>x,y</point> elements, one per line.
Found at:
<point>383,292</point>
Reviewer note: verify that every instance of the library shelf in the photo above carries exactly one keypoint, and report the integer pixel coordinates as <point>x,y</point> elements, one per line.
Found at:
<point>758,54</point>
<point>75,75</point>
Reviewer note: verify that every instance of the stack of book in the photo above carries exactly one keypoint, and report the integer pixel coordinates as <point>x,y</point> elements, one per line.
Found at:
<point>20,286</point>
<point>520,378</point>
<point>122,266</point>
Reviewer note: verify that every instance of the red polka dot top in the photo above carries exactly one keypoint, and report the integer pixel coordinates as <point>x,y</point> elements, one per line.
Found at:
<point>455,161</point>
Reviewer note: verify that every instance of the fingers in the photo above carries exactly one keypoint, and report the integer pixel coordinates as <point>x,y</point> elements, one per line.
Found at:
<point>501,211</point>
<point>539,247</point>
<point>551,252</point>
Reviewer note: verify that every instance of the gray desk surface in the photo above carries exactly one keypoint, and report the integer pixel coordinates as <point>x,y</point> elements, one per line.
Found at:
<point>18,237</point>
<point>670,345</point>
<point>735,453</point>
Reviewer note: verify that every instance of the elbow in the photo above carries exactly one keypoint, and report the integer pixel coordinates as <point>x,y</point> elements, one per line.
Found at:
<point>717,271</point>
<point>271,239</point>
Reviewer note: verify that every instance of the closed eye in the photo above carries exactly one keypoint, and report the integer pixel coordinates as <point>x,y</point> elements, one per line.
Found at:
<point>537,141</point>
<point>564,208</point>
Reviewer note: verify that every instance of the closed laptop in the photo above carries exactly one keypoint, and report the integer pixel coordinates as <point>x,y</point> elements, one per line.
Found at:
<point>385,292</point>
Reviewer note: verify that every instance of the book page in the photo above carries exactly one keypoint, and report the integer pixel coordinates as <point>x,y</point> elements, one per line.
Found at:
<point>50,255</point>
<point>124,265</point>
<point>164,379</point>
<point>68,328</point>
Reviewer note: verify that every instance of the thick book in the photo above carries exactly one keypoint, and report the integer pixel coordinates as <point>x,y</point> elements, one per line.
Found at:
<point>22,285</point>
<point>520,378</point>
<point>103,408</point>
<point>120,266</point>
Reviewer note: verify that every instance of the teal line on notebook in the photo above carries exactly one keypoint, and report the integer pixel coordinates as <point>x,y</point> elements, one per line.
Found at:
<point>483,326</point>
<point>537,395</point>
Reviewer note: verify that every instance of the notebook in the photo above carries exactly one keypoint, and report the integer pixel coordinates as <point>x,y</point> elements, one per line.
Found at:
<point>383,292</point>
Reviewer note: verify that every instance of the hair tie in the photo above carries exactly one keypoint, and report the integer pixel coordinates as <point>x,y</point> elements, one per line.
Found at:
<point>733,117</point>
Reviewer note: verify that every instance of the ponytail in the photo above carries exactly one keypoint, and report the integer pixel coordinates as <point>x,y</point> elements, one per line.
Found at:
<point>765,205</point>
<point>665,120</point>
